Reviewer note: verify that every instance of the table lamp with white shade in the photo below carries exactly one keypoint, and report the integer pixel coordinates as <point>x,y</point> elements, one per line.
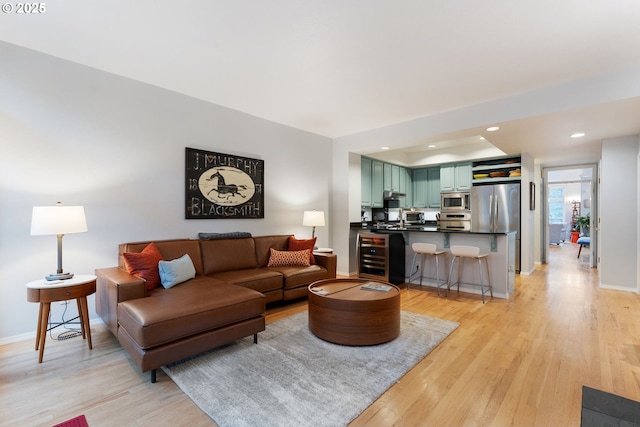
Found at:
<point>313,219</point>
<point>58,220</point>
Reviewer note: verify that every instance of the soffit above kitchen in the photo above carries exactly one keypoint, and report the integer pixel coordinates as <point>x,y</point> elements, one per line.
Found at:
<point>546,138</point>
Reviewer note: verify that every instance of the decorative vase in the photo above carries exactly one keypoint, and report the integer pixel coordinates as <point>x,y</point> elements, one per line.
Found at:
<point>574,236</point>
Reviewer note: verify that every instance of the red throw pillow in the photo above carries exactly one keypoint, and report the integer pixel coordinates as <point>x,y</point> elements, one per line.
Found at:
<point>145,265</point>
<point>301,245</point>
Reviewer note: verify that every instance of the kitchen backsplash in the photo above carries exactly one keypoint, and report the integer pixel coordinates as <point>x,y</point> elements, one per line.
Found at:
<point>377,214</point>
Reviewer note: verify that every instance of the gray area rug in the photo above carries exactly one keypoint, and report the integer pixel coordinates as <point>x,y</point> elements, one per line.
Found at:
<point>292,378</point>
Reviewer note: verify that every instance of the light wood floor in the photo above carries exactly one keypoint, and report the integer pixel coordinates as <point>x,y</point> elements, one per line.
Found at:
<point>516,362</point>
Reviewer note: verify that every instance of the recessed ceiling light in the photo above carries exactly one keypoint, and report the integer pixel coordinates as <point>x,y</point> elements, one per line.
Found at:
<point>384,148</point>
<point>577,135</point>
<point>482,137</point>
<point>432,146</point>
<point>492,128</point>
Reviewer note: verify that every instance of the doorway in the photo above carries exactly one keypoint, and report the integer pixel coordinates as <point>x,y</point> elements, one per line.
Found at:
<point>569,211</point>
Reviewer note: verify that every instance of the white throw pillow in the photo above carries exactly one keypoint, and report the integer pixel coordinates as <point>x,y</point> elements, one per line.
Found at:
<point>176,271</point>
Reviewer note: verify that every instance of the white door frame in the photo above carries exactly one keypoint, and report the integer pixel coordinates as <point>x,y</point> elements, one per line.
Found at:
<point>544,217</point>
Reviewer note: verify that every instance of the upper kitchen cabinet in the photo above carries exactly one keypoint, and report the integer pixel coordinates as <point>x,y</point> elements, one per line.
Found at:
<point>406,187</point>
<point>455,177</point>
<point>420,180</point>
<point>433,187</point>
<point>365,181</point>
<point>398,179</point>
<point>426,187</point>
<point>392,174</point>
<point>371,183</point>
<point>377,197</point>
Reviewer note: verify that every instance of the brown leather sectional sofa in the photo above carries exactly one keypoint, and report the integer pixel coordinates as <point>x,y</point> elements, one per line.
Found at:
<point>224,302</point>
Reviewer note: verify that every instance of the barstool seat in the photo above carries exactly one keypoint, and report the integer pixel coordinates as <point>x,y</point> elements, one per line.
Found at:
<point>425,250</point>
<point>461,253</point>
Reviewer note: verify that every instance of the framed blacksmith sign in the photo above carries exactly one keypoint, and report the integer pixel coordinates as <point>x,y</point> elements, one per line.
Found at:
<point>223,186</point>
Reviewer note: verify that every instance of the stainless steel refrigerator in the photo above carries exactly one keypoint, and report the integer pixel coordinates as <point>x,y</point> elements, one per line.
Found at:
<point>496,209</point>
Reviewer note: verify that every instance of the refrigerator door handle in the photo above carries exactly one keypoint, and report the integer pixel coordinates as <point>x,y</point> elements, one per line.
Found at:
<point>491,213</point>
<point>496,220</point>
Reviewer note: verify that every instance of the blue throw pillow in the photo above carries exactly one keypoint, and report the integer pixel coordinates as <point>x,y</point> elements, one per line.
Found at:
<point>176,271</point>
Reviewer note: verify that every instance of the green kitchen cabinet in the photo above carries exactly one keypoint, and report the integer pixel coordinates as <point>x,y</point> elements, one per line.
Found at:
<point>365,181</point>
<point>420,187</point>
<point>377,191</point>
<point>426,187</point>
<point>391,177</point>
<point>447,178</point>
<point>371,182</point>
<point>406,187</point>
<point>455,177</point>
<point>433,187</point>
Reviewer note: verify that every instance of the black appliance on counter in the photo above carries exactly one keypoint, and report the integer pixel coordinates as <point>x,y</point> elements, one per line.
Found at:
<point>381,256</point>
<point>389,213</point>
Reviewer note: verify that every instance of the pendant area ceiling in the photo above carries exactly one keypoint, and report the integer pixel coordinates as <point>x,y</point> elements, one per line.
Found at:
<point>337,68</point>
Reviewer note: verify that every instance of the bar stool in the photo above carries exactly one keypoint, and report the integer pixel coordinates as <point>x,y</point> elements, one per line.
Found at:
<point>425,250</point>
<point>462,253</point>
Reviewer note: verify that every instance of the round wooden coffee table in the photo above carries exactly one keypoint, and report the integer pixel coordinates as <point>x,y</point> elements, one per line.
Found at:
<point>342,312</point>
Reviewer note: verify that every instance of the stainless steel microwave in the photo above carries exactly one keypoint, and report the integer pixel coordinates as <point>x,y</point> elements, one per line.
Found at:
<point>455,201</point>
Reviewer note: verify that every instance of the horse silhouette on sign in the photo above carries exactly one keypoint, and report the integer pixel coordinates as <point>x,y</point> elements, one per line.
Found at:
<point>223,188</point>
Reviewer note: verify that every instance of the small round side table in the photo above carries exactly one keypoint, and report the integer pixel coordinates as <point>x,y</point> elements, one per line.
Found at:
<point>323,250</point>
<point>45,292</point>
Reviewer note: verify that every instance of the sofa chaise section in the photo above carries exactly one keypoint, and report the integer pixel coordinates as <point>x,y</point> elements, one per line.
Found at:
<point>172,324</point>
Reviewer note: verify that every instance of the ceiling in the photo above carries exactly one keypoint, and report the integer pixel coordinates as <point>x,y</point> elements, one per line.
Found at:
<point>340,67</point>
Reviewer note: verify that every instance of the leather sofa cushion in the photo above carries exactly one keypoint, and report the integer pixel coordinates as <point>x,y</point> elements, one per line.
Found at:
<point>264,243</point>
<point>170,250</point>
<point>227,255</point>
<point>258,279</point>
<point>300,276</point>
<point>190,308</point>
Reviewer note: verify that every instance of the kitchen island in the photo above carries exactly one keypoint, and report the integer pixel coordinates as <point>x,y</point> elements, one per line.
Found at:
<point>501,248</point>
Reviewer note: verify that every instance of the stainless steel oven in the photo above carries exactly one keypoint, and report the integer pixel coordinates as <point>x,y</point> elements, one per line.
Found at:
<point>455,201</point>
<point>455,221</point>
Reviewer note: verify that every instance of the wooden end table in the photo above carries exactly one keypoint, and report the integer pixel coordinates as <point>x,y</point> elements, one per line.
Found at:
<point>45,292</point>
<point>341,312</point>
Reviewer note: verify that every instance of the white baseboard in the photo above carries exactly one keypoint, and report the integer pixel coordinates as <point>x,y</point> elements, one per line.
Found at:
<point>618,288</point>
<point>32,335</point>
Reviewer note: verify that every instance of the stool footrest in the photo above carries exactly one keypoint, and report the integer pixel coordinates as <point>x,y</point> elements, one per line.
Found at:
<point>484,291</point>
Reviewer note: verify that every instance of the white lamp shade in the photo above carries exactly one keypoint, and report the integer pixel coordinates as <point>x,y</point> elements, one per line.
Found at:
<point>58,220</point>
<point>313,219</point>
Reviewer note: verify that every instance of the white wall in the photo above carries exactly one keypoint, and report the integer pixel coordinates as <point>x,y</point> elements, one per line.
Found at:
<point>74,134</point>
<point>618,213</point>
<point>528,217</point>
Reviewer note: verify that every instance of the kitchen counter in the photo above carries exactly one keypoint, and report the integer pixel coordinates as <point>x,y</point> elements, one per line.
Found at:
<point>500,246</point>
<point>424,228</point>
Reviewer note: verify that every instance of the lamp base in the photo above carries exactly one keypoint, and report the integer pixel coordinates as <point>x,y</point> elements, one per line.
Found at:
<point>59,276</point>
